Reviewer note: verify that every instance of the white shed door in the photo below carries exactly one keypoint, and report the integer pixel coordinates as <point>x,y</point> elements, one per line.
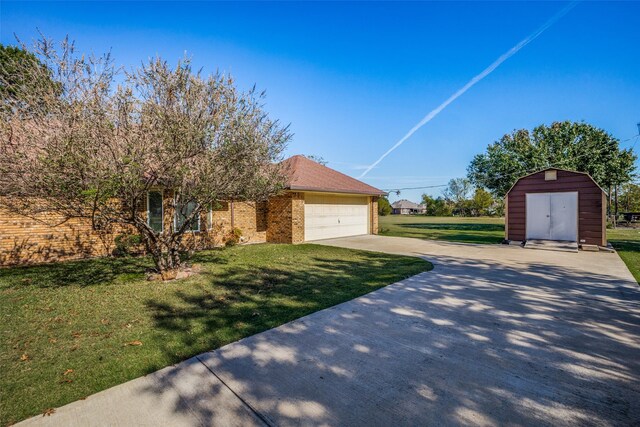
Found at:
<point>329,216</point>
<point>552,216</point>
<point>538,216</point>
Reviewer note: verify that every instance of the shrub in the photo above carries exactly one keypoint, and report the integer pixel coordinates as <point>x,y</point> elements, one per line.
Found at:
<point>127,244</point>
<point>234,237</point>
<point>384,208</point>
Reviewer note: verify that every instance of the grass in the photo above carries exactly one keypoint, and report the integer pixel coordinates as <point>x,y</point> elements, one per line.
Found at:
<point>627,242</point>
<point>72,329</point>
<point>453,229</point>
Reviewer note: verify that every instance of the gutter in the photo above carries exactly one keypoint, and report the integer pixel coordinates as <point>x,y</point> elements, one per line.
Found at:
<point>330,190</point>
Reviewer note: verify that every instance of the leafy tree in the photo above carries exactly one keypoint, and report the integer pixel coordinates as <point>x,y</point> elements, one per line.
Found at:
<point>458,191</point>
<point>95,150</point>
<point>482,202</point>
<point>442,207</point>
<point>22,76</point>
<point>437,206</point>
<point>565,145</point>
<point>459,200</point>
<point>384,207</point>
<point>497,209</point>
<point>429,204</point>
<point>629,198</point>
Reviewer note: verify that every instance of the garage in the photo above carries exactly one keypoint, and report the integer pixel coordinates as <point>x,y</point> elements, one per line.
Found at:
<point>328,216</point>
<point>320,203</point>
<point>556,205</point>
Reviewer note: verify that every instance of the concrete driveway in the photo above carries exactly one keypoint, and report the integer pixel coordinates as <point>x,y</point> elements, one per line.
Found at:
<point>494,335</point>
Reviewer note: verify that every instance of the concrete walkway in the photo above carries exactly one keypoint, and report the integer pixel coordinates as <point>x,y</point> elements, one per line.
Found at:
<point>493,335</point>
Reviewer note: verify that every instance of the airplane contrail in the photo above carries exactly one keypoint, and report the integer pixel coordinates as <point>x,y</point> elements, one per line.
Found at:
<point>473,81</point>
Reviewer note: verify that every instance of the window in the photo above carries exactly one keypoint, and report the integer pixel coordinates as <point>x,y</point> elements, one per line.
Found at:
<point>551,175</point>
<point>183,212</point>
<point>154,210</point>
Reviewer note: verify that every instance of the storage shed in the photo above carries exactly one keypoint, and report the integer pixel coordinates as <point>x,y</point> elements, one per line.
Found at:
<point>556,204</point>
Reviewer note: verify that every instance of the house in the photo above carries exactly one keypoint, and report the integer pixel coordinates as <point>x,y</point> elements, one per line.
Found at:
<point>406,207</point>
<point>318,203</point>
<point>556,204</point>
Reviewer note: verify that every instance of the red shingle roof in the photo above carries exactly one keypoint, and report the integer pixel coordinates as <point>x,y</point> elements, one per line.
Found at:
<point>305,174</point>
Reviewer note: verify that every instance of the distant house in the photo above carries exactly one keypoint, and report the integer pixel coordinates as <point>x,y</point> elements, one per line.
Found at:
<point>406,207</point>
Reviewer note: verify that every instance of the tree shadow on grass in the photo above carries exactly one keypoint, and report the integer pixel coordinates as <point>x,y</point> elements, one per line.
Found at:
<point>626,245</point>
<point>89,272</point>
<point>238,301</point>
<point>212,256</point>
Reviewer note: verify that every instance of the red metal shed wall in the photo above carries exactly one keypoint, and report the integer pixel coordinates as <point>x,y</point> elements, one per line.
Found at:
<point>591,217</point>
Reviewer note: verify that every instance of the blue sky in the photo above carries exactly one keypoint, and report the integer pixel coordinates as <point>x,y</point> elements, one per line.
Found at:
<point>353,78</point>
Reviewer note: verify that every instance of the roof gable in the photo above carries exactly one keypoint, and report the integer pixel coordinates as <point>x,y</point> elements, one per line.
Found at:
<point>556,169</point>
<point>305,174</point>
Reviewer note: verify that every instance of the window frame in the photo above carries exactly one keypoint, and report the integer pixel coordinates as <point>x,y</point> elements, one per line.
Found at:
<point>175,218</point>
<point>161,192</point>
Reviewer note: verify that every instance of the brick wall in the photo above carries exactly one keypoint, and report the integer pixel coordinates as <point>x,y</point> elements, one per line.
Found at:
<point>285,218</point>
<point>373,206</point>
<point>24,240</point>
<point>279,216</point>
<point>251,218</point>
<point>297,217</point>
<point>40,239</point>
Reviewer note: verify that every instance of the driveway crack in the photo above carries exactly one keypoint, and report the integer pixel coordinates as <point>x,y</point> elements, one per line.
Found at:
<point>257,413</point>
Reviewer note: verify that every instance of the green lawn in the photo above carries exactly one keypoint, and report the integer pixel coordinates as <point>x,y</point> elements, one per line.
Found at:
<point>454,229</point>
<point>71,329</point>
<point>627,243</point>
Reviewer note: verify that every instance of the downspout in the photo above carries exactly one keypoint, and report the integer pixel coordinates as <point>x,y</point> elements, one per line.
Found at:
<point>232,217</point>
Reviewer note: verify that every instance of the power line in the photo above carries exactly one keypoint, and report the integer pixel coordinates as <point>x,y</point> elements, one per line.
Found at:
<point>414,188</point>
<point>518,174</point>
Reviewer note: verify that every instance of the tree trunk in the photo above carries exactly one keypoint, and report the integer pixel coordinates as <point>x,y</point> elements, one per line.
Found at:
<point>164,251</point>
<point>166,257</point>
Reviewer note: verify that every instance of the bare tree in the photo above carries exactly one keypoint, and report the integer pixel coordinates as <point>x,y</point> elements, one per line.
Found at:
<point>458,190</point>
<point>97,140</point>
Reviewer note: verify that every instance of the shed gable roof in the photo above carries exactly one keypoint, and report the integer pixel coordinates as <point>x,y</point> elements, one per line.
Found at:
<point>305,174</point>
<point>556,169</point>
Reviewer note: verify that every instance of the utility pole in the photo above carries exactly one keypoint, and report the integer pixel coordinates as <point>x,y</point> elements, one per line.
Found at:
<point>615,215</point>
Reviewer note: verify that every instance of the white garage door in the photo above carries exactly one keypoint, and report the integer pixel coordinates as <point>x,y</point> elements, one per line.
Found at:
<point>552,216</point>
<point>329,216</point>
